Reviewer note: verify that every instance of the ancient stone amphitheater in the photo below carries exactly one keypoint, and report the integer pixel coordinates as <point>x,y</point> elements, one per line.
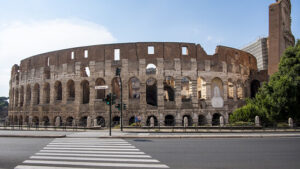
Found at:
<point>170,83</point>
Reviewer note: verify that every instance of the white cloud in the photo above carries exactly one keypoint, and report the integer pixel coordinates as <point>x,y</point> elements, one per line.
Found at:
<point>19,40</point>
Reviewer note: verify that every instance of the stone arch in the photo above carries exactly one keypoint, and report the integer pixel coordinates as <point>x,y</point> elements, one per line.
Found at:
<point>217,82</point>
<point>239,90</point>
<point>169,120</point>
<point>151,91</point>
<point>22,96</point>
<point>100,94</point>
<point>70,90</point>
<point>230,90</point>
<point>100,121</point>
<point>116,120</point>
<point>58,90</point>
<point>201,88</point>
<point>190,120</point>
<point>115,84</point>
<point>148,122</point>
<point>151,69</point>
<point>83,121</point>
<point>46,93</point>
<point>85,88</point>
<point>202,120</point>
<point>35,121</point>
<point>46,121</point>
<point>169,88</point>
<point>134,88</point>
<point>36,94</point>
<point>186,89</point>
<point>69,121</point>
<point>255,85</point>
<point>28,95</point>
<point>216,119</point>
<point>131,120</point>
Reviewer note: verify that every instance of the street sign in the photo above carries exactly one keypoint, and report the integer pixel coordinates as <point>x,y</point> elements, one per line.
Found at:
<point>101,87</point>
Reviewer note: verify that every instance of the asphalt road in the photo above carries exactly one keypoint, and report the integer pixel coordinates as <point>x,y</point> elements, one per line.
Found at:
<point>253,153</point>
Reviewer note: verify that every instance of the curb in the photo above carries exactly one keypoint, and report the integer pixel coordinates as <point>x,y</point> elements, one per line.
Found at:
<point>35,136</point>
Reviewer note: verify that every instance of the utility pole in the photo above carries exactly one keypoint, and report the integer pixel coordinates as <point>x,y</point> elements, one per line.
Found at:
<point>118,73</point>
<point>110,104</point>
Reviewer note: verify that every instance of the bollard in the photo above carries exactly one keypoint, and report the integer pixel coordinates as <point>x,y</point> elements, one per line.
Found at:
<point>88,122</point>
<point>57,121</point>
<point>151,121</point>
<point>291,123</point>
<point>257,121</point>
<point>221,121</point>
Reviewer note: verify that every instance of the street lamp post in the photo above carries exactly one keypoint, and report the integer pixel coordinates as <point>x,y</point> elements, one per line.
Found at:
<point>118,73</point>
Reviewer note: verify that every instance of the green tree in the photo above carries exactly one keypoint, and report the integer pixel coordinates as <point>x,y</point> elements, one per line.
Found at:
<point>280,97</point>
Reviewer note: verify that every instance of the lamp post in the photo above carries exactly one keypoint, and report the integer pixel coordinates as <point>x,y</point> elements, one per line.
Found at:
<point>118,73</point>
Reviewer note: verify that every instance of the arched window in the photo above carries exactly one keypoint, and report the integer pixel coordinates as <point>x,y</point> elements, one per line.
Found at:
<point>230,89</point>
<point>85,87</point>
<point>134,88</point>
<point>239,88</point>
<point>255,85</point>
<point>58,90</point>
<point>186,89</point>
<point>36,94</point>
<point>217,88</point>
<point>169,89</point>
<point>100,93</point>
<point>151,92</point>
<point>47,93</point>
<point>151,69</point>
<point>116,87</point>
<point>28,95</point>
<point>201,88</point>
<point>71,90</point>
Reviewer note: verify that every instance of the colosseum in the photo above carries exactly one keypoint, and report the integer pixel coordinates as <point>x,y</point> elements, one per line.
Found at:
<point>163,83</point>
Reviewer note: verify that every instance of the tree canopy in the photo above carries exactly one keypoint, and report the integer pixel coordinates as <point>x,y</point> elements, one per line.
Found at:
<point>278,99</point>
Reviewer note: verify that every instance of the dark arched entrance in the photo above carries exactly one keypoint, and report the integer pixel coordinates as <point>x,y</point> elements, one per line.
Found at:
<point>169,120</point>
<point>155,121</point>
<point>201,120</point>
<point>255,85</point>
<point>216,119</point>
<point>101,121</point>
<point>116,121</point>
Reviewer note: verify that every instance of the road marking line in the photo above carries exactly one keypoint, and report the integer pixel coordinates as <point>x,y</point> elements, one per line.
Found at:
<point>90,146</point>
<point>46,167</point>
<point>96,164</point>
<point>93,152</point>
<point>105,149</point>
<point>95,159</point>
<point>95,155</point>
<point>115,144</point>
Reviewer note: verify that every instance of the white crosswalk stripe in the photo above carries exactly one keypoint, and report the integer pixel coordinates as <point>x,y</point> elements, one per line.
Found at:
<point>79,153</point>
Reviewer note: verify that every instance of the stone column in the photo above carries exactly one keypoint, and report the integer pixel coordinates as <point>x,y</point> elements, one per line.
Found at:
<point>291,123</point>
<point>64,92</point>
<point>225,89</point>
<point>234,93</point>
<point>257,121</point>
<point>194,93</point>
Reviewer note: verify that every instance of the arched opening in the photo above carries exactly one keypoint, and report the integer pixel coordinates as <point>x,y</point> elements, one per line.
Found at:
<point>151,92</point>
<point>169,89</point>
<point>28,95</point>
<point>240,90</point>
<point>169,120</point>
<point>46,121</point>
<point>201,120</point>
<point>100,93</point>
<point>134,88</point>
<point>83,121</point>
<point>116,120</point>
<point>47,93</point>
<point>217,93</point>
<point>131,120</point>
<point>148,122</point>
<point>255,85</point>
<point>69,121</point>
<point>85,88</point>
<point>116,87</point>
<point>22,96</point>
<point>70,90</point>
<point>186,89</point>
<point>36,94</point>
<point>16,120</point>
<point>17,97</point>
<point>201,88</point>
<point>101,121</point>
<point>35,121</point>
<point>216,119</point>
<point>21,120</point>
<point>57,121</point>
<point>230,89</point>
<point>58,91</point>
<point>189,120</point>
<point>151,69</point>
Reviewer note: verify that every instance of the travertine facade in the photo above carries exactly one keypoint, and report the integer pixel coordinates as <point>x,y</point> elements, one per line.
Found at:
<point>164,80</point>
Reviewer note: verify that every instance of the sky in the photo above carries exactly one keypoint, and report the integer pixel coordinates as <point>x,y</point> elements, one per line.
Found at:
<point>32,27</point>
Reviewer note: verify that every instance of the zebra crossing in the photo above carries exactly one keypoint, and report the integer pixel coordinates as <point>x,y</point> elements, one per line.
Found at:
<point>88,153</point>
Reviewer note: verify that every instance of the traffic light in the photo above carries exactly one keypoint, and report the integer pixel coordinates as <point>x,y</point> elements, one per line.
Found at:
<point>124,106</point>
<point>118,106</point>
<point>118,71</point>
<point>107,100</point>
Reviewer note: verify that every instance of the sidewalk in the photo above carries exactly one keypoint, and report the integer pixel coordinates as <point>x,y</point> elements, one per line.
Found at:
<point>116,133</point>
